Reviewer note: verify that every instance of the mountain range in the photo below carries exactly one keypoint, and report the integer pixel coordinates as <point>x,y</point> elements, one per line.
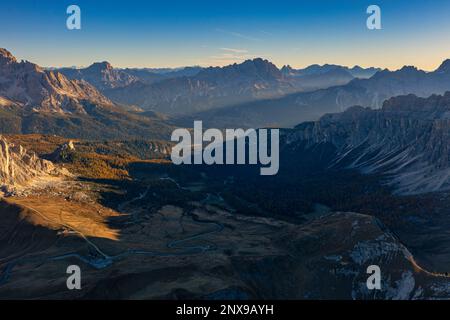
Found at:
<point>405,141</point>
<point>315,69</point>
<point>27,85</point>
<point>103,101</point>
<point>291,109</point>
<point>192,89</point>
<point>104,76</point>
<point>210,88</point>
<point>35,100</point>
<point>101,74</point>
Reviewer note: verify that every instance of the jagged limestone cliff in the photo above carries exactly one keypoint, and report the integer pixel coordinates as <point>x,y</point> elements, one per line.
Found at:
<point>18,167</point>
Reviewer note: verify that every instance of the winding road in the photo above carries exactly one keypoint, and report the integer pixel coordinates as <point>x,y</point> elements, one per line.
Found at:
<point>101,260</point>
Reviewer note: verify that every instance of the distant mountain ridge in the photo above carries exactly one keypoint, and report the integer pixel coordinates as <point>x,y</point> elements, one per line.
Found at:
<point>315,69</point>
<point>100,74</point>
<point>216,87</point>
<point>294,108</point>
<point>184,91</point>
<point>104,76</point>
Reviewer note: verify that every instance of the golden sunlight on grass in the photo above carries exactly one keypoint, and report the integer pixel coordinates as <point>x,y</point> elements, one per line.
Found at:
<point>82,219</point>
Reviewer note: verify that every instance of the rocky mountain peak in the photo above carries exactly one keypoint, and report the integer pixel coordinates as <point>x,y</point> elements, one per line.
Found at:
<point>286,70</point>
<point>444,67</point>
<point>99,66</point>
<point>6,57</point>
<point>102,75</point>
<point>28,85</point>
<point>406,69</point>
<point>406,73</point>
<point>259,67</point>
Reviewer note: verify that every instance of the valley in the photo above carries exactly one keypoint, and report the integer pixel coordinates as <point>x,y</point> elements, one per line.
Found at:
<point>165,231</point>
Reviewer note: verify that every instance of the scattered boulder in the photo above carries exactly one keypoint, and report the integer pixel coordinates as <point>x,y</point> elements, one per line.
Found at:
<point>63,153</point>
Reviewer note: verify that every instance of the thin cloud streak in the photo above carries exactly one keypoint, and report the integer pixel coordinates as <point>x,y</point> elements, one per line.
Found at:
<point>234,50</point>
<point>238,35</point>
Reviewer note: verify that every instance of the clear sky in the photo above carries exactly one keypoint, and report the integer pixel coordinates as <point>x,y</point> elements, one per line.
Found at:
<point>174,33</point>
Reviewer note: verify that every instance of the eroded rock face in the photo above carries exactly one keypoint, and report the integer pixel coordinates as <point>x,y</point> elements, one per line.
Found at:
<point>27,84</point>
<point>406,140</point>
<point>18,167</point>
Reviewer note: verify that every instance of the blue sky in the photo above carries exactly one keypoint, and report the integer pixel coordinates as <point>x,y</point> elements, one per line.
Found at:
<point>176,33</point>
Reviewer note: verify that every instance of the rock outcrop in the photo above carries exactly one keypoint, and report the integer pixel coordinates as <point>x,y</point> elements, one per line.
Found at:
<point>63,153</point>
<point>18,167</point>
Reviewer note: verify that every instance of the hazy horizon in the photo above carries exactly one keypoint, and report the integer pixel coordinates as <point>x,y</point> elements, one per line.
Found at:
<point>231,63</point>
<point>144,34</point>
